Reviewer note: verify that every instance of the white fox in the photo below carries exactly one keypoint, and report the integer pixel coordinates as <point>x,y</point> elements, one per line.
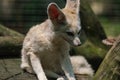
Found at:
<point>46,45</point>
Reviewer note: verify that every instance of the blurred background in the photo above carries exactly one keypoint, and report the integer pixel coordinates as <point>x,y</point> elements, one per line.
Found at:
<point>20,15</point>
<point>108,12</point>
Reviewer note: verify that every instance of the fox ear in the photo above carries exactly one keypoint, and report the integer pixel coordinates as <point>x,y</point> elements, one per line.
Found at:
<point>73,5</point>
<point>54,12</point>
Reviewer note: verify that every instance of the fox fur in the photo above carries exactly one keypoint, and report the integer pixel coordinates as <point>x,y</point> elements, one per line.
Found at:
<point>46,46</point>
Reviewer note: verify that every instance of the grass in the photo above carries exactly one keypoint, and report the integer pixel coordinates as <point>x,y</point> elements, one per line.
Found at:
<point>112,28</point>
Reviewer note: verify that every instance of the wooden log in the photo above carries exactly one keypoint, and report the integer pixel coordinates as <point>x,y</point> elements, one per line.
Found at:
<point>4,31</point>
<point>110,67</point>
<point>10,42</point>
<point>10,46</point>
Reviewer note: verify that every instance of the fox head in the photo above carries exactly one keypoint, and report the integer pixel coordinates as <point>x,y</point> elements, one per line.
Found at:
<point>66,21</point>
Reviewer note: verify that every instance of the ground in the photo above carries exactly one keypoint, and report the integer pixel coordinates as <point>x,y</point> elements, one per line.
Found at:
<point>10,70</point>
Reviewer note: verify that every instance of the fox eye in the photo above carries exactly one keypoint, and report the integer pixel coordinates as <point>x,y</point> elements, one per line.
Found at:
<point>70,33</point>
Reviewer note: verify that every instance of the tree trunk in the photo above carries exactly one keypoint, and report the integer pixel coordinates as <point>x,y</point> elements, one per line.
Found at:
<point>110,67</point>
<point>91,25</point>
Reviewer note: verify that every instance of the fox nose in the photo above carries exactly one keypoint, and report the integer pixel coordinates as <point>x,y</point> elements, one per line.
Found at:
<point>77,41</point>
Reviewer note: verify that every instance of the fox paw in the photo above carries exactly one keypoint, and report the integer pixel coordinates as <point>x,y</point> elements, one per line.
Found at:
<point>62,78</point>
<point>27,68</point>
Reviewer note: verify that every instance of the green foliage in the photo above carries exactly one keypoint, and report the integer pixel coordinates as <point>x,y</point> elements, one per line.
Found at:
<point>90,51</point>
<point>112,28</point>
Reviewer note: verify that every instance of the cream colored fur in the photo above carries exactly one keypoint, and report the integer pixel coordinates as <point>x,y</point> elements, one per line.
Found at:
<point>46,46</point>
<point>81,66</point>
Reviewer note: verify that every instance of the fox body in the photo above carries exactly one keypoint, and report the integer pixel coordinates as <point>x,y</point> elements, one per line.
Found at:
<point>46,45</point>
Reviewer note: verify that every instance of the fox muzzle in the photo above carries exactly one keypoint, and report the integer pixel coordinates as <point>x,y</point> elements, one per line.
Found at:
<point>76,41</point>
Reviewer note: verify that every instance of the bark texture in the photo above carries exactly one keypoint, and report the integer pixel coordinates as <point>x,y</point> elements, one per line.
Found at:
<point>110,67</point>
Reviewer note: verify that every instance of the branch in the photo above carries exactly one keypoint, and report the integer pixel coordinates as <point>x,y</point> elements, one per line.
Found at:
<point>110,67</point>
<point>10,41</point>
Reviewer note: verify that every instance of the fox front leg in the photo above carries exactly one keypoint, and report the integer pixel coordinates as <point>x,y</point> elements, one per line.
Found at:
<point>67,68</point>
<point>37,67</point>
<point>25,62</point>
